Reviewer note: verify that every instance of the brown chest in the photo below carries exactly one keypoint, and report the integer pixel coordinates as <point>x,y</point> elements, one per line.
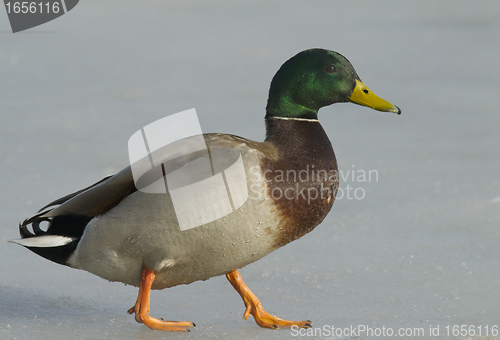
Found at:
<point>302,194</point>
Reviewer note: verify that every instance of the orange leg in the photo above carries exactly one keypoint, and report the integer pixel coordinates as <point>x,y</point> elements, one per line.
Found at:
<point>254,307</point>
<point>141,308</point>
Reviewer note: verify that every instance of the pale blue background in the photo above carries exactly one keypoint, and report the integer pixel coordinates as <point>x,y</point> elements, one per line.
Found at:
<point>422,248</point>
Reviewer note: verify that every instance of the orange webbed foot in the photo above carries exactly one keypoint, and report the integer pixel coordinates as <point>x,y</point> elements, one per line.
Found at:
<point>254,307</point>
<point>141,308</point>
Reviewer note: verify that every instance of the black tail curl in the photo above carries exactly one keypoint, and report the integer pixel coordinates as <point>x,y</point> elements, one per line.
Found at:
<point>35,226</point>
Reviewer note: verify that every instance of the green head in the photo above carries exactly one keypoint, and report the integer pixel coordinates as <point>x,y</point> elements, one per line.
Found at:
<point>316,78</point>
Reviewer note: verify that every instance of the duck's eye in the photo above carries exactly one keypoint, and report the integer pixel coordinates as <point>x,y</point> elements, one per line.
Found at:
<point>330,69</point>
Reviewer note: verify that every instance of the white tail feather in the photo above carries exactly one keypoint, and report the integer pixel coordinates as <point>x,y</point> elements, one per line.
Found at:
<point>45,241</point>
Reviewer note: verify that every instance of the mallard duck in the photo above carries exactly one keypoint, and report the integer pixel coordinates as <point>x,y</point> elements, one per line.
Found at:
<point>119,233</point>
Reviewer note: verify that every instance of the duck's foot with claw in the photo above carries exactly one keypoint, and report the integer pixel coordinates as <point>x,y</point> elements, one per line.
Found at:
<point>141,308</point>
<point>254,307</point>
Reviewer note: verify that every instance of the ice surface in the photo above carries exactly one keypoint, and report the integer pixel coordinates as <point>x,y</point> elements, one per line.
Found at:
<point>422,246</point>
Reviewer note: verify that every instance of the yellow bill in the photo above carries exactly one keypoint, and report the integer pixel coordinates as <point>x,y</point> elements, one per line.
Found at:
<point>362,95</point>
